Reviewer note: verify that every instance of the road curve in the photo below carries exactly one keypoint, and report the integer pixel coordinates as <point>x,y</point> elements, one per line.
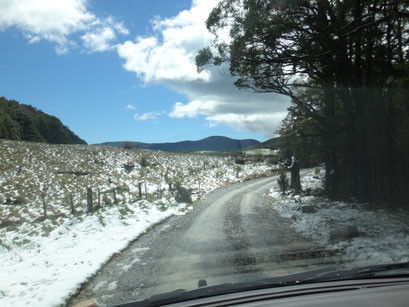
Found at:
<point>232,235</point>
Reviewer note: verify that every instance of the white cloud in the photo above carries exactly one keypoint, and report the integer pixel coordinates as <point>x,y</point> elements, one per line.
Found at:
<point>137,54</point>
<point>99,40</point>
<point>58,21</point>
<point>130,107</point>
<point>193,108</point>
<point>33,39</point>
<point>167,57</point>
<point>148,115</point>
<point>253,122</point>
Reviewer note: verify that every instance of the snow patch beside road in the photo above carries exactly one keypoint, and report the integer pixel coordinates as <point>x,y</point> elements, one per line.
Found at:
<point>384,233</point>
<point>50,268</point>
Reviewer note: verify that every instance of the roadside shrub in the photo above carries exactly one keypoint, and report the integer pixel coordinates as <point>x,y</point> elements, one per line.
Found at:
<point>272,160</point>
<point>183,195</point>
<point>283,182</point>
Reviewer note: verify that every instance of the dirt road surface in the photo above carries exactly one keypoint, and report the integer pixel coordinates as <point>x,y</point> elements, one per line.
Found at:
<point>232,235</point>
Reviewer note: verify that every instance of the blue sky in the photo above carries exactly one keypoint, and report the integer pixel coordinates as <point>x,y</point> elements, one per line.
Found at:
<point>124,70</point>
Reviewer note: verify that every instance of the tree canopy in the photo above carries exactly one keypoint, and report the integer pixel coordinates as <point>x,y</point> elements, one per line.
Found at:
<point>344,64</point>
<point>26,123</point>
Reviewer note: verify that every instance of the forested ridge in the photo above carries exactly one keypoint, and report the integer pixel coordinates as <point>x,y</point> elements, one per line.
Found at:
<point>26,123</point>
<point>345,66</point>
<point>214,143</point>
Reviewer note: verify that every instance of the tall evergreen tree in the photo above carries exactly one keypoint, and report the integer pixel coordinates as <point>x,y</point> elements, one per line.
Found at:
<point>344,64</point>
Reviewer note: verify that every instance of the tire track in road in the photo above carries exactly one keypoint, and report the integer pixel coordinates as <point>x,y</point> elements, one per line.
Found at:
<point>241,258</point>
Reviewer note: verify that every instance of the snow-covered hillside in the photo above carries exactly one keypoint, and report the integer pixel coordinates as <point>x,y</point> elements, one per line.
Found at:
<point>46,260</point>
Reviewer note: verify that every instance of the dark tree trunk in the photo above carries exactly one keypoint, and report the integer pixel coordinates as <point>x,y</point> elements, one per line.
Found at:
<point>295,177</point>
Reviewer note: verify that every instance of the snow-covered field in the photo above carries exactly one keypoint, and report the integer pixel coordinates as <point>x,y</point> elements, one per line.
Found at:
<point>44,261</point>
<point>384,233</point>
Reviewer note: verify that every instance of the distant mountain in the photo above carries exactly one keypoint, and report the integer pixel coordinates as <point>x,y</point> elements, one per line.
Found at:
<point>26,123</point>
<point>213,143</point>
<point>269,144</point>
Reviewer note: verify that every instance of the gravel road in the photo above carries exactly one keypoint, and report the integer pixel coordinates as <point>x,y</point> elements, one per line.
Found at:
<point>232,235</point>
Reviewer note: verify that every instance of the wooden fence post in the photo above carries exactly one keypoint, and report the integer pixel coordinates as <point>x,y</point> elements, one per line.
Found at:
<point>44,205</point>
<point>115,200</point>
<point>140,190</point>
<point>99,198</point>
<point>159,191</point>
<point>72,204</point>
<point>89,199</point>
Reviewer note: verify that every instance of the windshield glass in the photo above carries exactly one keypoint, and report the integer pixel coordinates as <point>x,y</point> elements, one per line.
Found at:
<point>152,146</point>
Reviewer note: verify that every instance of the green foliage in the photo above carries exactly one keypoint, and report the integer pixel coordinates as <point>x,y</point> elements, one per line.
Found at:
<point>9,129</point>
<point>299,138</point>
<point>26,123</point>
<point>202,58</point>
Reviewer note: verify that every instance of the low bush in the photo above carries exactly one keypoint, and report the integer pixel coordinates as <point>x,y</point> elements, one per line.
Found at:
<point>183,195</point>
<point>283,182</point>
<point>144,162</point>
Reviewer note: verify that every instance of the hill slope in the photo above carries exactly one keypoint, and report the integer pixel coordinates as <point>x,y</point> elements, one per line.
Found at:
<point>26,123</point>
<point>213,143</point>
<point>269,144</point>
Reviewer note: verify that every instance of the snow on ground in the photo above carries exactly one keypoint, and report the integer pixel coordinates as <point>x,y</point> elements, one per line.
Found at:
<point>262,151</point>
<point>45,261</point>
<point>384,233</point>
<point>45,271</point>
